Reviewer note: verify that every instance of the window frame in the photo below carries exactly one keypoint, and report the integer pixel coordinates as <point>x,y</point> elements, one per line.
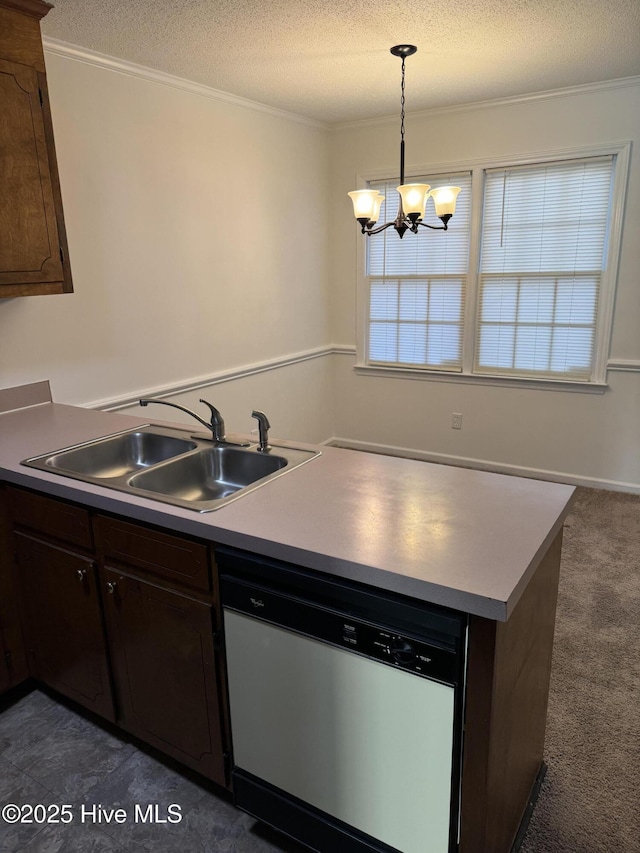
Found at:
<point>478,168</point>
<point>429,278</point>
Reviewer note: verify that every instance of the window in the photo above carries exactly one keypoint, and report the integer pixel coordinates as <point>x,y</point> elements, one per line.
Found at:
<point>520,286</point>
<point>418,284</point>
<point>542,259</point>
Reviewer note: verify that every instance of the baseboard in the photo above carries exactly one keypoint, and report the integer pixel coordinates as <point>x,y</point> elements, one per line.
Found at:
<point>16,693</point>
<point>485,465</point>
<point>528,812</point>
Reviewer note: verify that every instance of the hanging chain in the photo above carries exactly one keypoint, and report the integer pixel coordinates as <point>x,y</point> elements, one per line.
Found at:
<point>402,105</point>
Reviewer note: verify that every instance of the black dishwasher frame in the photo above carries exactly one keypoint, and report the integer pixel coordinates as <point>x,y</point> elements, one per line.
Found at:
<point>365,621</point>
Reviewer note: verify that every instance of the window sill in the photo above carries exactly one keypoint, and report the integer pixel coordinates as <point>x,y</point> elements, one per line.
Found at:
<point>476,379</point>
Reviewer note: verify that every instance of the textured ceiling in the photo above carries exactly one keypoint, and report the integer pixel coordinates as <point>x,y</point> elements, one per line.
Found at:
<point>329,59</point>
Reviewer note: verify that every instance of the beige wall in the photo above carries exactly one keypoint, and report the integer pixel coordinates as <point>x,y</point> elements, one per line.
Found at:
<point>173,280</point>
<point>575,436</point>
<point>173,290</point>
<point>296,398</point>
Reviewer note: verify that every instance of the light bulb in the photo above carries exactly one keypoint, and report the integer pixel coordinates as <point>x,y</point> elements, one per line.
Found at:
<point>444,199</point>
<point>366,204</point>
<point>414,198</point>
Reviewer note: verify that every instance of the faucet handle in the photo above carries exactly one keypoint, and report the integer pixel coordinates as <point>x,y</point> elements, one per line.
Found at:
<point>263,430</point>
<point>217,423</point>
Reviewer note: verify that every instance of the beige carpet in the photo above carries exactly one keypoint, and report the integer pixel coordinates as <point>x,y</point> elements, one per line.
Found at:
<point>590,800</point>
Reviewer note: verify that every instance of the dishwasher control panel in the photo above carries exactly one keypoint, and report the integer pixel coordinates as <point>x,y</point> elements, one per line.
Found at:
<point>396,650</point>
<point>423,649</point>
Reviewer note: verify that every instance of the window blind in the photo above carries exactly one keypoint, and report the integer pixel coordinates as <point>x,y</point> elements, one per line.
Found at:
<point>417,285</point>
<point>543,253</point>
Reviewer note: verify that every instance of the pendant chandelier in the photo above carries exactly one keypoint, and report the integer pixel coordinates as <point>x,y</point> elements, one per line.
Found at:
<point>412,197</point>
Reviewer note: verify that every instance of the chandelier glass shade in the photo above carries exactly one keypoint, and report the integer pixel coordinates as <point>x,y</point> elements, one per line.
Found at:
<point>413,198</point>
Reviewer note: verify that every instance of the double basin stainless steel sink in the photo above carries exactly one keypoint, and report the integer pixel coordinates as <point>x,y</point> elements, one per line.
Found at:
<point>173,466</point>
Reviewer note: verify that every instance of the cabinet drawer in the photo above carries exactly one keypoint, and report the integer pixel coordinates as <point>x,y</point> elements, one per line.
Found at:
<point>62,521</point>
<point>162,554</point>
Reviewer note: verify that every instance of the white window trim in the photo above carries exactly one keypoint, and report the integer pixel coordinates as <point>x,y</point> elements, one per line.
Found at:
<point>598,384</point>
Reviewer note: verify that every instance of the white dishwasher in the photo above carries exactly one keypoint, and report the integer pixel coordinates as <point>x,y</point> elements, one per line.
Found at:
<point>345,707</point>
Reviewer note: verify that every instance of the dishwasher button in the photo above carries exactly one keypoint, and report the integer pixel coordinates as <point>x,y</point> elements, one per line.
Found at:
<point>349,634</point>
<point>401,651</point>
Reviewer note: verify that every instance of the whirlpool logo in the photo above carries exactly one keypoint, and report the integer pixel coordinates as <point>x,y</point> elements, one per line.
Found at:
<point>257,602</point>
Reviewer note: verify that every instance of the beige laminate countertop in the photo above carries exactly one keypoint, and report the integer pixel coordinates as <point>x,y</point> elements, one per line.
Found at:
<point>452,536</point>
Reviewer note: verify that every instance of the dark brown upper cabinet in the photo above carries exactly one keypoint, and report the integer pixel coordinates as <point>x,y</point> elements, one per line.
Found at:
<point>34,258</point>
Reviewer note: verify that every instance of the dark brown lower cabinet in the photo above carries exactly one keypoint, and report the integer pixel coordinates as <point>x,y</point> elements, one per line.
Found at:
<point>508,672</point>
<point>63,624</point>
<point>164,669</point>
<point>121,618</point>
<point>13,662</point>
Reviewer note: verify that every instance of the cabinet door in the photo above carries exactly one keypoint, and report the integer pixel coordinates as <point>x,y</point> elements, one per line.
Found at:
<point>64,630</point>
<point>13,666</point>
<point>31,258</point>
<point>164,665</point>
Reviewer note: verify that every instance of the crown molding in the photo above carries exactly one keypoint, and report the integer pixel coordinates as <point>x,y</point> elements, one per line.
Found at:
<point>56,47</point>
<point>123,66</point>
<point>548,95</point>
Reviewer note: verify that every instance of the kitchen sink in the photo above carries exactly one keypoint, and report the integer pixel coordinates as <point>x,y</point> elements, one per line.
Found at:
<point>209,474</point>
<point>120,454</point>
<point>168,464</point>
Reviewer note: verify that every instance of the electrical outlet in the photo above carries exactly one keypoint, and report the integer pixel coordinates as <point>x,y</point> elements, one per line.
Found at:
<point>456,420</point>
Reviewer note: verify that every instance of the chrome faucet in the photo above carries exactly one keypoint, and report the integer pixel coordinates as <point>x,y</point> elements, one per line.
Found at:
<point>263,431</point>
<point>216,425</point>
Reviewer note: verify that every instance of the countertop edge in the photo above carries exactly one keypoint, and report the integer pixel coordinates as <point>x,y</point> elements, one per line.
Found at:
<point>216,530</point>
<point>159,516</point>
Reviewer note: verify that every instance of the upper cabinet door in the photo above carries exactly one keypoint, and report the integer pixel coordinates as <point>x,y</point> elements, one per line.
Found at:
<point>29,247</point>
<point>33,250</point>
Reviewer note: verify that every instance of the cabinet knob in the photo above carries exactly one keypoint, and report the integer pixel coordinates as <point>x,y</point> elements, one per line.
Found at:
<point>81,574</point>
<point>111,587</point>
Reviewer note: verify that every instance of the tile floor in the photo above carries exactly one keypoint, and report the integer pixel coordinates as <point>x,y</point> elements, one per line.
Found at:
<point>50,755</point>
